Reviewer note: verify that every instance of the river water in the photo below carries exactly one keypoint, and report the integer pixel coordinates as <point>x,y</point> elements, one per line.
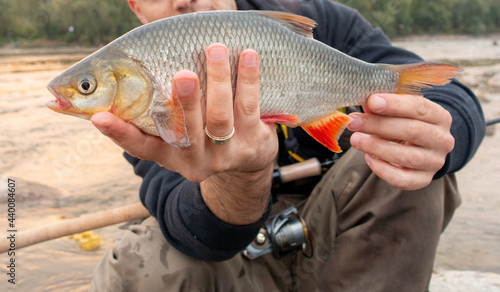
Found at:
<point>63,167</point>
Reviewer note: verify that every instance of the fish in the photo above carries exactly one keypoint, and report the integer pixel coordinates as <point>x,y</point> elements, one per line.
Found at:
<point>303,82</point>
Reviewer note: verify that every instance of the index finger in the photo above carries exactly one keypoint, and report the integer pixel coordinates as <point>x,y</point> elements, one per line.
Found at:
<point>408,106</point>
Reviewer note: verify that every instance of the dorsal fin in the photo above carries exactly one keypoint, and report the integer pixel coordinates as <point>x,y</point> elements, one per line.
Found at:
<point>299,24</point>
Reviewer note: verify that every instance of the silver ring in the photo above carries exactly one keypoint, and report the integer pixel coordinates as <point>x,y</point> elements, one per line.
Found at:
<point>219,140</point>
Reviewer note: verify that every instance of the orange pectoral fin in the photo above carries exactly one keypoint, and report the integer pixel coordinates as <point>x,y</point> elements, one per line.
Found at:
<point>328,129</point>
<point>170,123</point>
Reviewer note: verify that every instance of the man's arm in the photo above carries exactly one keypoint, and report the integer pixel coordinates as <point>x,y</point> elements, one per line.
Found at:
<point>184,217</point>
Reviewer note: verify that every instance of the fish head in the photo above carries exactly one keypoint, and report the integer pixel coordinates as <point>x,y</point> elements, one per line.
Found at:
<point>84,89</point>
<point>101,82</point>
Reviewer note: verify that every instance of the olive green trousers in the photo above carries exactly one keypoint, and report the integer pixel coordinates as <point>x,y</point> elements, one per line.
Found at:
<point>366,236</point>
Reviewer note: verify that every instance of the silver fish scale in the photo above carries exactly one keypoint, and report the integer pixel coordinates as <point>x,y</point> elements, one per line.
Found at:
<point>298,75</point>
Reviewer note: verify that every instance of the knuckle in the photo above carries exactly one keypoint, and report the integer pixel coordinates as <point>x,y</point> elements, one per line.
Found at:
<point>422,106</point>
<point>450,143</point>
<point>408,182</point>
<point>253,158</point>
<point>447,118</point>
<point>190,103</point>
<point>439,164</point>
<point>413,130</point>
<point>436,162</point>
<point>249,77</point>
<point>220,165</point>
<point>250,106</point>
<point>250,154</point>
<point>219,75</point>
<point>415,160</point>
<point>219,120</point>
<point>446,141</point>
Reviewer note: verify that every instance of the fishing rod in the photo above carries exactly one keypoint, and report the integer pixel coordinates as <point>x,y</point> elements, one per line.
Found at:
<point>308,168</point>
<point>296,171</point>
<point>76,225</point>
<point>492,121</point>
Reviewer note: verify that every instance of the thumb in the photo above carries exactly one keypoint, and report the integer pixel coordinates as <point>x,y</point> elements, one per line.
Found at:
<point>125,135</point>
<point>109,125</point>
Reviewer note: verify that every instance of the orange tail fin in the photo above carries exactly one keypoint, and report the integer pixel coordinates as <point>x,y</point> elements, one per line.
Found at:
<point>414,77</point>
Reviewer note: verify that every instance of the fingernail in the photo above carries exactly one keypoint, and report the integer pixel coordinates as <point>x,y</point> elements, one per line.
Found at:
<point>356,122</point>
<point>250,59</point>
<point>355,140</point>
<point>217,53</point>
<point>184,86</point>
<point>368,159</point>
<point>379,103</point>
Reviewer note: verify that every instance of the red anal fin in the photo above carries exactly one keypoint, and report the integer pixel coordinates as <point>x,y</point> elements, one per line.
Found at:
<point>280,119</point>
<point>414,77</point>
<point>328,130</point>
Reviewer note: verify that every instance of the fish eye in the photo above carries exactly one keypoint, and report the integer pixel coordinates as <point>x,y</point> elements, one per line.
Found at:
<point>87,84</point>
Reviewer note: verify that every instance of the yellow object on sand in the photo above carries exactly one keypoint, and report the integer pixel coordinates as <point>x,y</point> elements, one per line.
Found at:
<point>88,240</point>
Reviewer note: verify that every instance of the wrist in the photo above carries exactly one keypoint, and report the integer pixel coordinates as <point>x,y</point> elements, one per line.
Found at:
<point>238,198</point>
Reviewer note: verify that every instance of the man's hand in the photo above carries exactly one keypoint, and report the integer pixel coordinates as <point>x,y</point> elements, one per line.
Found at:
<point>235,178</point>
<point>406,138</point>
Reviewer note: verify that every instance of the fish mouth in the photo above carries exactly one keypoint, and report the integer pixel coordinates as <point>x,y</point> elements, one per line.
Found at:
<point>60,104</point>
<point>63,105</point>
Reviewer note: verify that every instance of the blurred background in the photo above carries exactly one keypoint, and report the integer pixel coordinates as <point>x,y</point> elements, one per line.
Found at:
<point>96,22</point>
<point>63,167</point>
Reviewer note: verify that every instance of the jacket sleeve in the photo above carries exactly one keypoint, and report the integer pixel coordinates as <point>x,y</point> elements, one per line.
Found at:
<point>344,29</point>
<point>184,218</point>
